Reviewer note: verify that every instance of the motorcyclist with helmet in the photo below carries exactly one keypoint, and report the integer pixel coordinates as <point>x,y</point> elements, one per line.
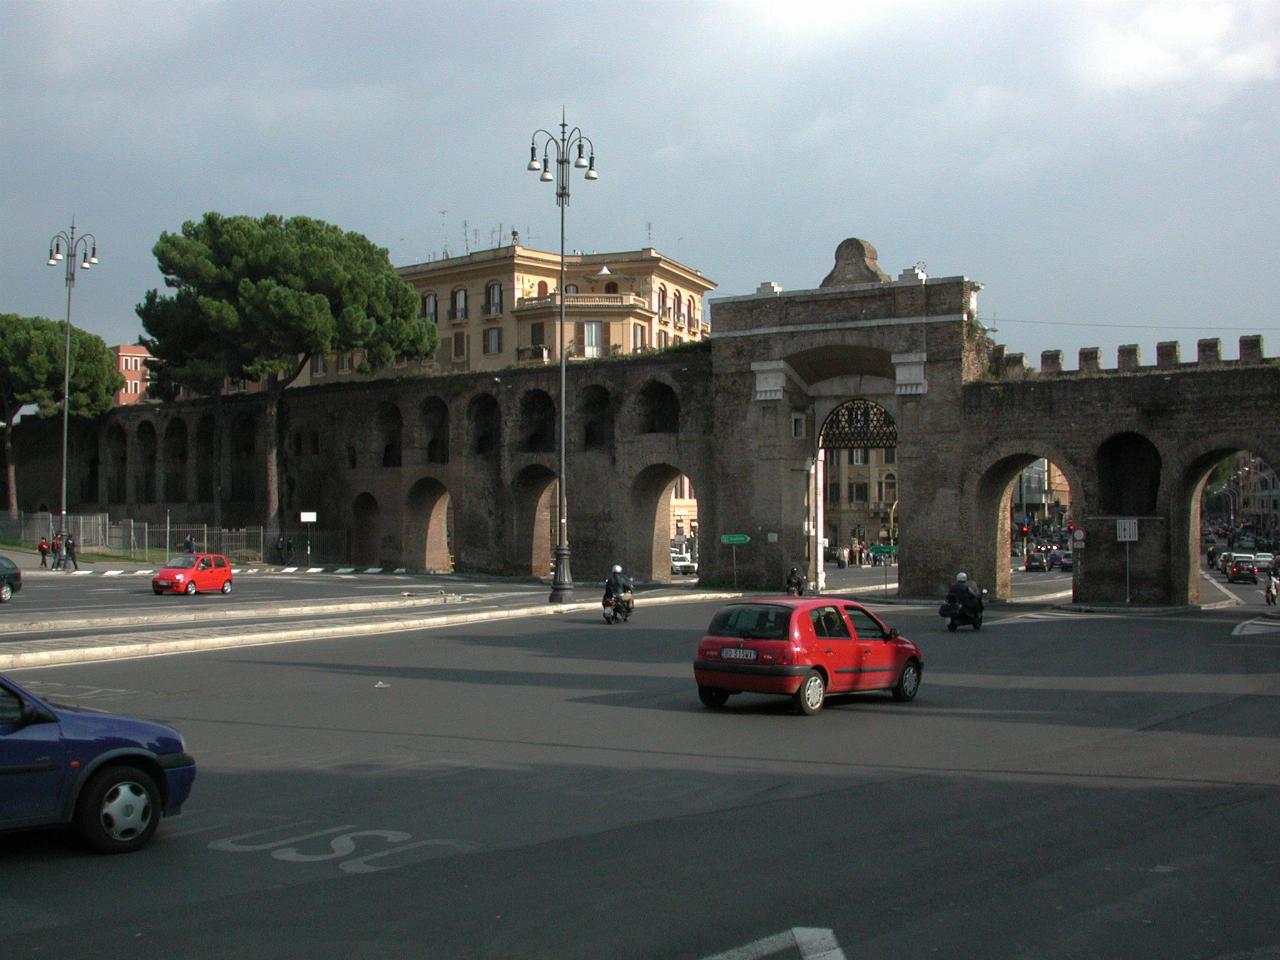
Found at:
<point>967,595</point>
<point>619,588</point>
<point>795,583</point>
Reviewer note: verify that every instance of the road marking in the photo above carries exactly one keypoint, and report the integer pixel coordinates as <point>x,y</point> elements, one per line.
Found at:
<point>814,943</point>
<point>1255,626</point>
<point>289,570</point>
<point>374,570</point>
<point>315,569</point>
<point>345,570</point>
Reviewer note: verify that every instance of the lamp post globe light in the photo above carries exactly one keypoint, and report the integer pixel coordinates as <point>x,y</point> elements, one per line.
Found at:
<point>87,246</point>
<point>563,145</point>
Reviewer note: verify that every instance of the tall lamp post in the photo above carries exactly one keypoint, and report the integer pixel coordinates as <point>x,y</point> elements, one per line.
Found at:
<point>562,581</point>
<point>87,246</point>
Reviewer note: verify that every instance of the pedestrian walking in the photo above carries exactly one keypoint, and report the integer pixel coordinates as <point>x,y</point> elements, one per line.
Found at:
<point>69,545</point>
<point>188,544</point>
<point>58,554</point>
<point>43,547</point>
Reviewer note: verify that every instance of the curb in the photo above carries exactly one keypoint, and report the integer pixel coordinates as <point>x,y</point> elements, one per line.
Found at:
<point>144,648</point>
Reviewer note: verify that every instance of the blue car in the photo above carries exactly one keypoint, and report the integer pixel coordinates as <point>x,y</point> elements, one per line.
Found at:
<point>110,777</point>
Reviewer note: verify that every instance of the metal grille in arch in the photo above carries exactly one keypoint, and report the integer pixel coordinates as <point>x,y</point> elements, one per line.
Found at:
<point>858,423</point>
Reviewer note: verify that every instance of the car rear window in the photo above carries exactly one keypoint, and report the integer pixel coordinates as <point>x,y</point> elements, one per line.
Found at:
<point>756,621</point>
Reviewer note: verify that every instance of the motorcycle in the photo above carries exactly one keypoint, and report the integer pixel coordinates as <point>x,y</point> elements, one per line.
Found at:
<point>618,608</point>
<point>957,614</point>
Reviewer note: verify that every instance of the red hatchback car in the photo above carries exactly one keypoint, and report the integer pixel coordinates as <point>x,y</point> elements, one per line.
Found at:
<point>805,648</point>
<point>193,573</point>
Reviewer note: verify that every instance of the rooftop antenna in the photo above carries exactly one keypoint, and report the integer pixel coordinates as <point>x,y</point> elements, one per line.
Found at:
<point>648,233</point>
<point>466,236</point>
<point>444,233</point>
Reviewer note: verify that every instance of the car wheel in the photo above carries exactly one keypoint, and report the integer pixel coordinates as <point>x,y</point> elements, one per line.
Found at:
<point>608,615</point>
<point>191,588</point>
<point>6,593</point>
<point>157,591</point>
<point>119,810</point>
<point>226,586</point>
<point>713,696</point>
<point>951,625</point>
<point>812,692</point>
<point>908,683</point>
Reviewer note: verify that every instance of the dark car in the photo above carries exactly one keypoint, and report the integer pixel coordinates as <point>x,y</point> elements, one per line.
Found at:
<point>1037,561</point>
<point>110,777</point>
<point>1067,561</point>
<point>10,579</point>
<point>803,648</point>
<point>1243,568</point>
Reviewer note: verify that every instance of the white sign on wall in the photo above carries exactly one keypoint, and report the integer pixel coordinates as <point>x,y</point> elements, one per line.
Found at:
<point>1126,529</point>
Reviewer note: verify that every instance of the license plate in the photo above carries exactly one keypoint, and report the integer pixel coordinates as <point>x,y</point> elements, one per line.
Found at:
<point>162,583</point>
<point>737,653</point>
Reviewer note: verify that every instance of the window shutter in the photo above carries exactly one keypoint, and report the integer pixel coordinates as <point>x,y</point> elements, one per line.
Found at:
<point>579,340</point>
<point>604,336</point>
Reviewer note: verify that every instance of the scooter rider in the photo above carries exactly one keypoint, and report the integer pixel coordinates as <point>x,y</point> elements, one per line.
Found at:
<point>795,582</point>
<point>619,587</point>
<point>967,594</point>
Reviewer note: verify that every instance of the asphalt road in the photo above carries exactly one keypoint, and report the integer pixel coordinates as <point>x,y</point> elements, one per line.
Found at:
<point>1065,785</point>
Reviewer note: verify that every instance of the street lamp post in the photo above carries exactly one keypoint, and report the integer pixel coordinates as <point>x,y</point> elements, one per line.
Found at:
<point>87,245</point>
<point>562,582</point>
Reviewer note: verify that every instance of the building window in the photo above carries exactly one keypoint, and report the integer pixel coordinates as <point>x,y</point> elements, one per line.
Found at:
<point>664,339</point>
<point>344,363</point>
<point>459,309</point>
<point>679,304</point>
<point>639,336</point>
<point>493,340</point>
<point>662,302</point>
<point>833,493</point>
<point>833,458</point>
<point>890,455</point>
<point>537,334</point>
<point>610,287</point>
<point>797,426</point>
<point>592,337</point>
<point>429,307</point>
<point>570,288</point>
<point>858,492</point>
<point>858,457</point>
<point>459,346</point>
<point>318,366</point>
<point>493,299</point>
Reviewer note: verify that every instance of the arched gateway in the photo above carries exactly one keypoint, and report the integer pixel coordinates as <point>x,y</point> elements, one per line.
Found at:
<point>755,418</point>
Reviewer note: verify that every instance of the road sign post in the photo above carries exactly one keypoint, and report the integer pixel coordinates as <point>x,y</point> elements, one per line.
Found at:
<point>733,539</point>
<point>1126,533</point>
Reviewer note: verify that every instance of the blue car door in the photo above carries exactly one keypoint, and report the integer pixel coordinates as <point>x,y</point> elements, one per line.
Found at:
<point>31,766</point>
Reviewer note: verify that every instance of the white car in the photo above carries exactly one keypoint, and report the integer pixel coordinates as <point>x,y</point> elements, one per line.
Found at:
<point>682,563</point>
<point>1264,559</point>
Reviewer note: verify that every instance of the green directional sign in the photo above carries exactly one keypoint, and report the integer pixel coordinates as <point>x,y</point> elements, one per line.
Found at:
<point>884,550</point>
<point>732,538</point>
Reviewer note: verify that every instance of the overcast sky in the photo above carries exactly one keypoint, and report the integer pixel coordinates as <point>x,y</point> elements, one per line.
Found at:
<point>1107,170</point>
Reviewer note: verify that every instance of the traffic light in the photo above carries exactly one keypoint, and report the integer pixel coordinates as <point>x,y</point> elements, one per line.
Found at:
<point>1025,529</point>
<point>1071,528</point>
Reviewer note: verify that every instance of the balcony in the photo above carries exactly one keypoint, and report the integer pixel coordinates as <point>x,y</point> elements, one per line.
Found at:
<point>429,317</point>
<point>572,301</point>
<point>491,309</point>
<point>533,355</point>
<point>457,313</point>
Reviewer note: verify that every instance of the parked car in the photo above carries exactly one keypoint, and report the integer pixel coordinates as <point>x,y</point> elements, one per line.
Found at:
<point>10,579</point>
<point>804,648</point>
<point>193,573</point>
<point>1242,568</point>
<point>1037,561</point>
<point>111,777</point>
<point>1068,560</point>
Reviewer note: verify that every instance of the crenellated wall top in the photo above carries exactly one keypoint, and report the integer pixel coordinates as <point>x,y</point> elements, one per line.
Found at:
<point>1014,366</point>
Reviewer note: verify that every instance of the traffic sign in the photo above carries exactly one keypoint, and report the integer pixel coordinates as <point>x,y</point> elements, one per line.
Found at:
<point>884,550</point>
<point>1126,529</point>
<point>734,538</point>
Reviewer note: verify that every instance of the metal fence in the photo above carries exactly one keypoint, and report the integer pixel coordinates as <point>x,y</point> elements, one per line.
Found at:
<point>137,539</point>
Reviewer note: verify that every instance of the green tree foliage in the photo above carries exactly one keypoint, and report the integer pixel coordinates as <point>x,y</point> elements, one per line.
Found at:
<point>256,298</point>
<point>32,352</point>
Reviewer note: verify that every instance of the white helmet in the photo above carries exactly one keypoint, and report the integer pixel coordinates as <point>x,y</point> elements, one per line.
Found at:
<point>617,568</point>
<point>962,577</point>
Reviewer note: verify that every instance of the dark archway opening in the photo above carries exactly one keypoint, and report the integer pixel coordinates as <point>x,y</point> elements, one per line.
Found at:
<point>484,421</point>
<point>535,492</point>
<point>595,410</point>
<point>435,426</point>
<point>659,409</point>
<point>365,530</point>
<point>537,422</point>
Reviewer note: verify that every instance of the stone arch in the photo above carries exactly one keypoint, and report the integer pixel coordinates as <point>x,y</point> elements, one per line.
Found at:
<point>535,502</point>
<point>365,530</point>
<point>1189,474</point>
<point>435,430</point>
<point>117,464</point>
<point>175,461</point>
<point>537,423</point>
<point>596,414</point>
<point>649,556</point>
<point>429,527</point>
<point>989,525</point>
<point>858,423</point>
<point>244,444</point>
<point>145,481</point>
<point>390,433</point>
<point>658,408</point>
<point>484,425</point>
<point>207,465</point>
<point>1128,470</point>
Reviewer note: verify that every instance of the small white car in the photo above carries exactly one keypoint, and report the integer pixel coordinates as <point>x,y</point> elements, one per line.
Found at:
<point>682,563</point>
